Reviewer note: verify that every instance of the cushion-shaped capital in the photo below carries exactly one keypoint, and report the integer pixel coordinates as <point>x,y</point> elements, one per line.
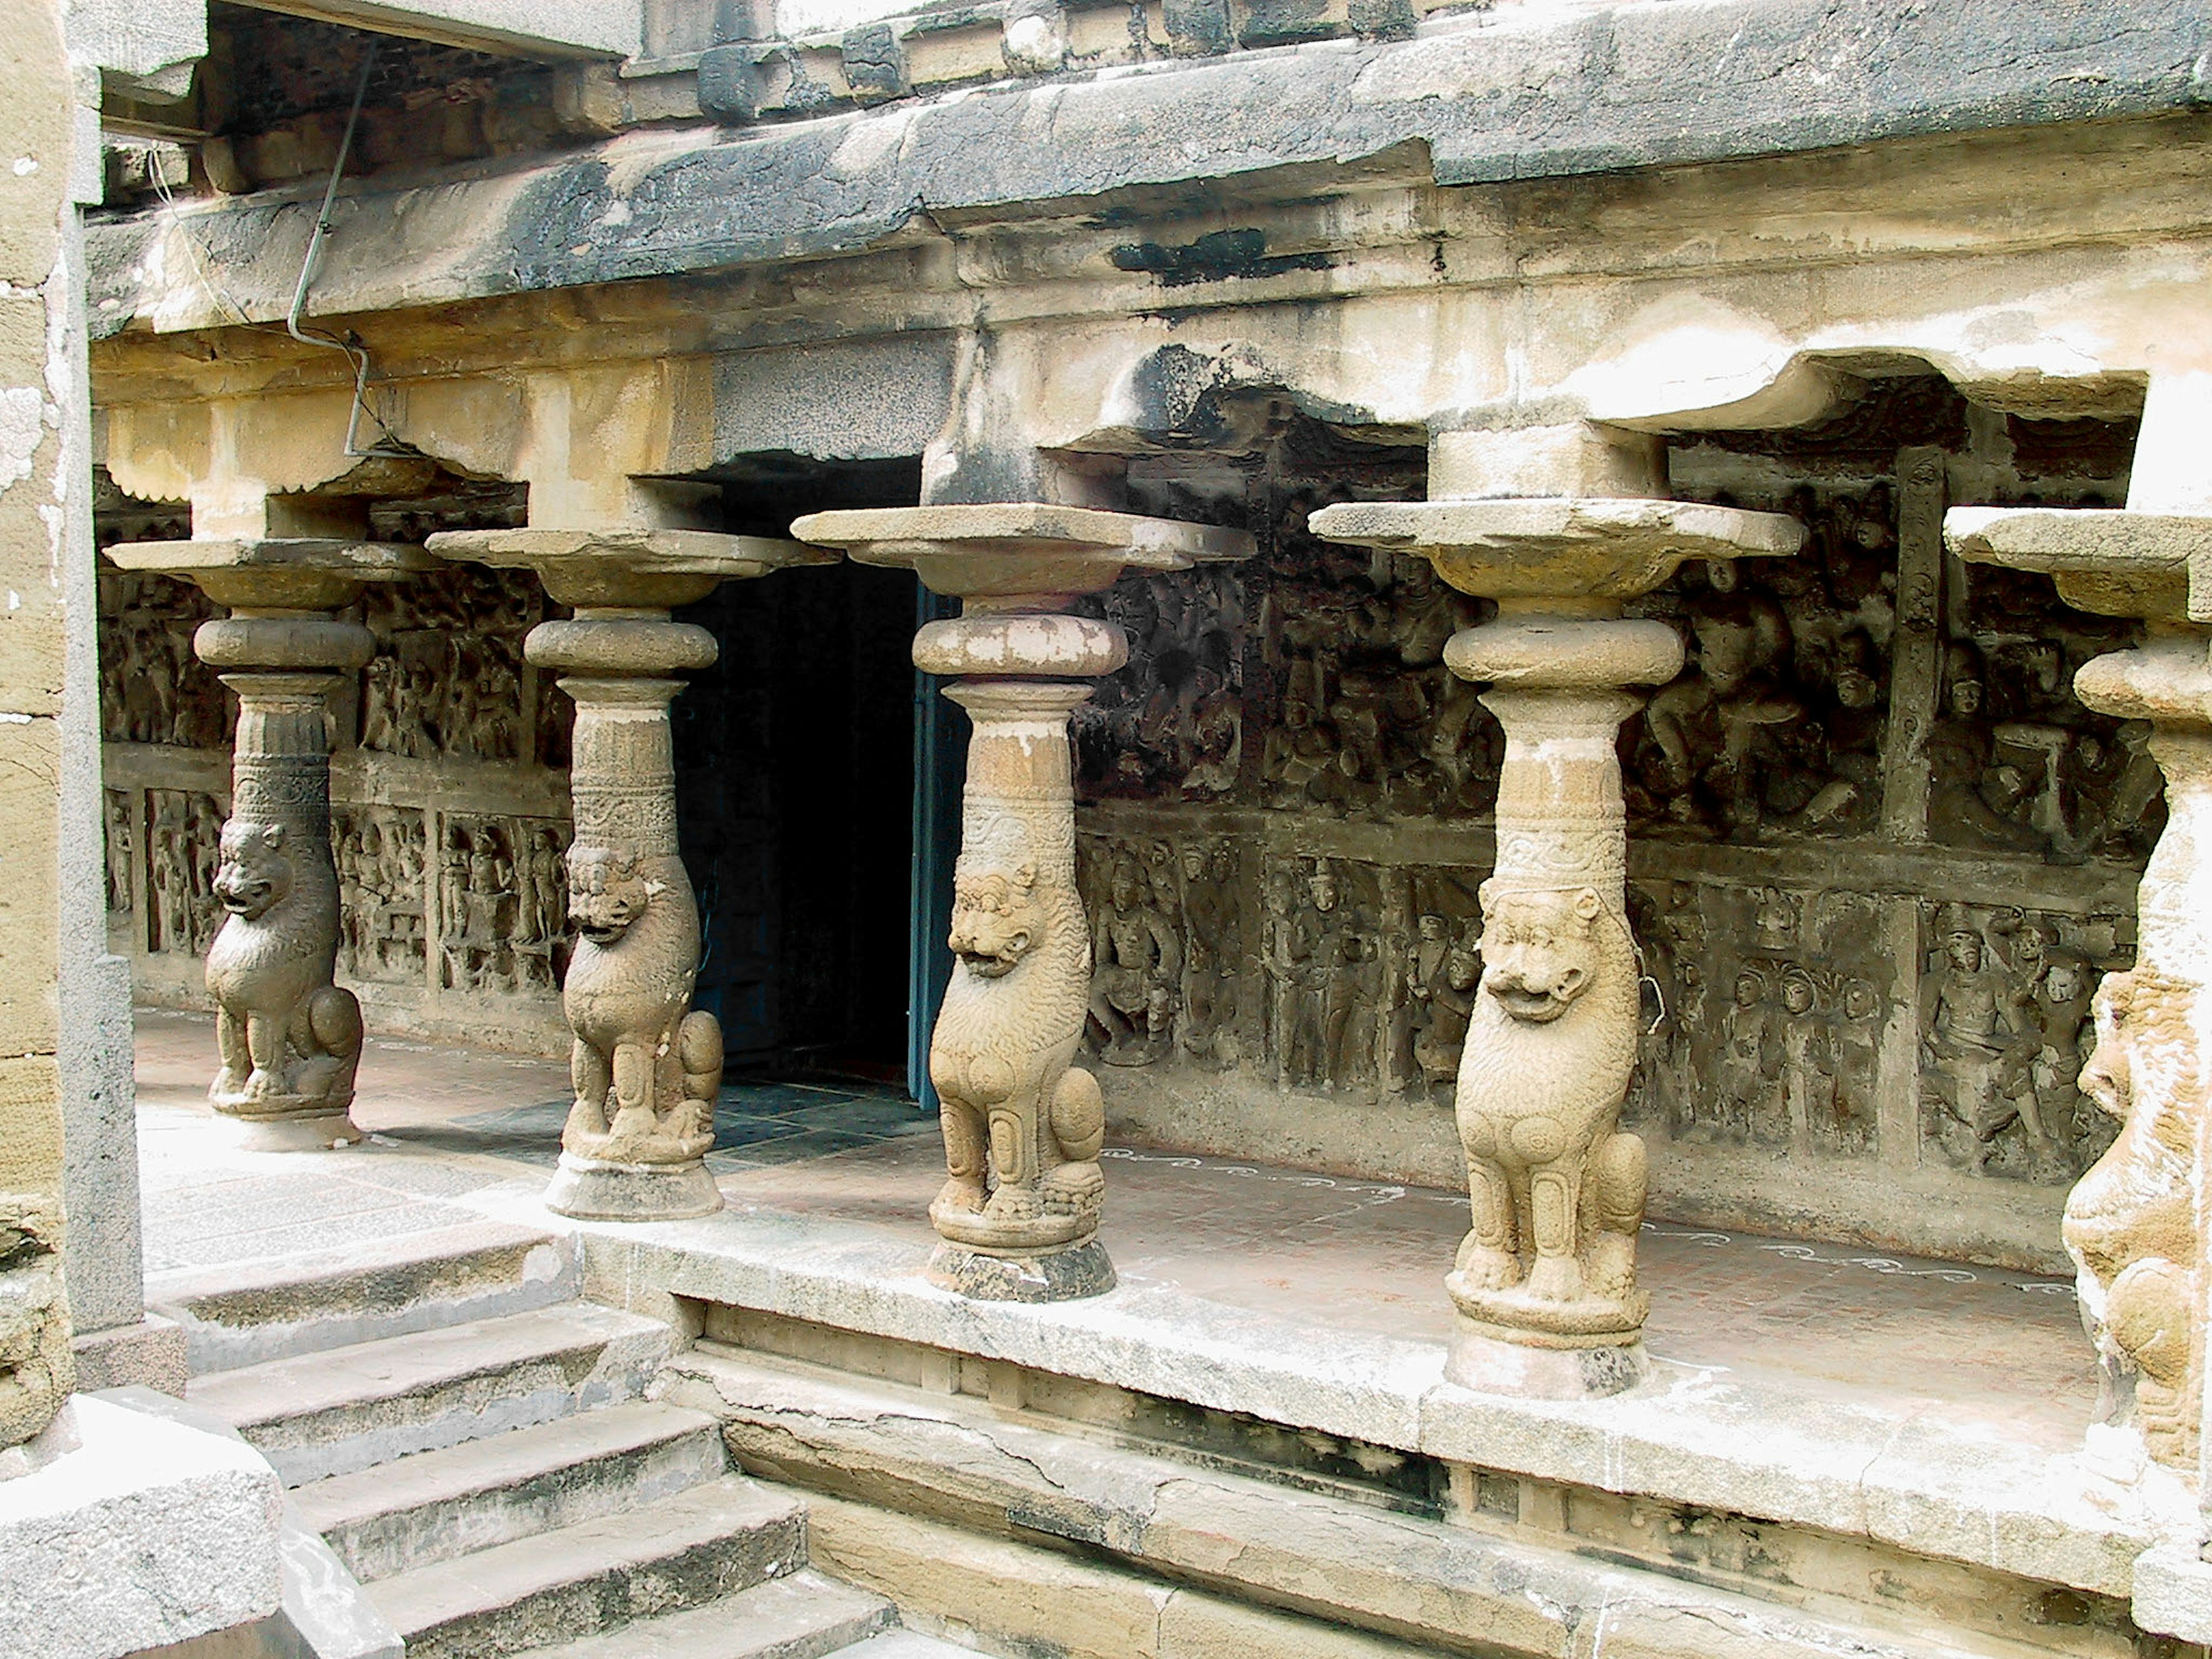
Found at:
<point>1559,547</point>
<point>1009,553</point>
<point>2112,562</point>
<point>276,572</point>
<point>627,570</point>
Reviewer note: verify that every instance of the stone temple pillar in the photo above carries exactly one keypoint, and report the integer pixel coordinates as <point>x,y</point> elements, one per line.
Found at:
<point>2138,1225</point>
<point>645,1064</point>
<point>1545,1282</point>
<point>289,1039</point>
<point>1018,1212</point>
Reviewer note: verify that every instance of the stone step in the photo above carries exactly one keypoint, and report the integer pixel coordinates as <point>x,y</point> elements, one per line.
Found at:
<point>248,1313</point>
<point>698,1546</point>
<point>803,1616</point>
<point>959,1509</point>
<point>322,1414</point>
<point>435,1505</point>
<point>905,1645</point>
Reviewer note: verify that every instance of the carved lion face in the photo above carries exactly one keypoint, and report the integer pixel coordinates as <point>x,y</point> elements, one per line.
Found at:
<point>606,894</point>
<point>993,917</point>
<point>2108,1076</point>
<point>1538,950</point>
<point>255,873</point>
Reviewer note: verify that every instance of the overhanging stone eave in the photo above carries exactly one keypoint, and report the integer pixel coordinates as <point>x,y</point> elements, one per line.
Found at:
<point>1615,96</point>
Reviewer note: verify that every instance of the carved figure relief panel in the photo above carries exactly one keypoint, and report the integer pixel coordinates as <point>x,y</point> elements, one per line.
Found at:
<point>153,689</point>
<point>184,832</point>
<point>118,844</point>
<point>380,855</point>
<point>448,679</point>
<point>2005,1029</point>
<point>502,904</point>
<point>1764,1010</point>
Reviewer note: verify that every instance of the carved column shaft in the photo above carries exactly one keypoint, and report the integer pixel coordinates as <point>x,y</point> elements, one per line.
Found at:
<point>1017,1216</point>
<point>646,1066</point>
<point>289,1037</point>
<point>1545,1280</point>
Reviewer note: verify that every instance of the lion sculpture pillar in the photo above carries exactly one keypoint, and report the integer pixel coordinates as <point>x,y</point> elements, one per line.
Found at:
<point>290,1038</point>
<point>645,1064</point>
<point>1018,1215</point>
<point>2136,1224</point>
<point>1545,1282</point>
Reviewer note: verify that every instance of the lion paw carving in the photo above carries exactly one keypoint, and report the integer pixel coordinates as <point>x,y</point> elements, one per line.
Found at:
<point>645,1064</point>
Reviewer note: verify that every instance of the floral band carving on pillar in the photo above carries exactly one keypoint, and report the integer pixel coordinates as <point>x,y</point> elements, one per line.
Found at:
<point>645,1064</point>
<point>1545,1280</point>
<point>290,1038</point>
<point>1018,1212</point>
<point>2135,1223</point>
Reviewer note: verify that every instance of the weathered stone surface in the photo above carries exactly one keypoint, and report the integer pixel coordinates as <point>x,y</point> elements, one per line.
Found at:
<point>130,1533</point>
<point>1043,1276</point>
<point>1622,87</point>
<point>1729,1444</point>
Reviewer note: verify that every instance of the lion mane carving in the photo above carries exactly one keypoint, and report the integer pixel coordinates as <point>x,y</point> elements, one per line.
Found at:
<point>646,1066</point>
<point>290,1040</point>
<point>2130,1222</point>
<point>1023,1128</point>
<point>1556,1191</point>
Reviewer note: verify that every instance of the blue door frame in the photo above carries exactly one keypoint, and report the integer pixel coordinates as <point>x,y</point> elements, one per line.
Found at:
<point>940,744</point>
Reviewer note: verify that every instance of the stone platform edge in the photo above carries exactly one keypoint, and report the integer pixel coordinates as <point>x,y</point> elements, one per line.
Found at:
<point>1909,1479</point>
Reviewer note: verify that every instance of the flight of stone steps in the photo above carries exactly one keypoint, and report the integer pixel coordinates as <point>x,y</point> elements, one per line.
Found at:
<point>473,1443</point>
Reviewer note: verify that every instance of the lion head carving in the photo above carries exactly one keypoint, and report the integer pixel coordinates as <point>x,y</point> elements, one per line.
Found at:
<point>255,873</point>
<point>607,893</point>
<point>994,921</point>
<point>1539,949</point>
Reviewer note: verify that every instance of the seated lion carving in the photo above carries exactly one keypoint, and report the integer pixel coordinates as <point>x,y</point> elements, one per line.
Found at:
<point>1023,1128</point>
<point>1556,1191</point>
<point>290,1040</point>
<point>2130,1222</point>
<point>644,1065</point>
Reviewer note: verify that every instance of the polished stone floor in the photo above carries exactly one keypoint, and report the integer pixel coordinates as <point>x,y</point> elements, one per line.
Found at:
<point>451,1128</point>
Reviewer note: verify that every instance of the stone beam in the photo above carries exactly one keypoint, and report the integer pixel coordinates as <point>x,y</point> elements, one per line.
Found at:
<point>1623,87</point>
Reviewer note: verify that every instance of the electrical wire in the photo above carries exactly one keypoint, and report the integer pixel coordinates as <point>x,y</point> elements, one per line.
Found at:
<point>390,444</point>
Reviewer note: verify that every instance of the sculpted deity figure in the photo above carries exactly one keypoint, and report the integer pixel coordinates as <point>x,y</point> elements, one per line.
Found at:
<point>2130,1222</point>
<point>1134,984</point>
<point>1558,1190</point>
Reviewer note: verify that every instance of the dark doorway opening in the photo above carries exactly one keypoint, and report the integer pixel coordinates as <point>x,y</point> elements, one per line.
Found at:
<point>795,767</point>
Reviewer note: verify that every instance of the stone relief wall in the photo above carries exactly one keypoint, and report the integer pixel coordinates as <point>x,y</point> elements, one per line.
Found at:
<point>1878,855</point>
<point>450,808</point>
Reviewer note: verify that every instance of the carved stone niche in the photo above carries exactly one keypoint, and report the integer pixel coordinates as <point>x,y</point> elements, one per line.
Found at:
<point>2136,1224</point>
<point>1018,1212</point>
<point>1545,1281</point>
<point>289,1037</point>
<point>646,1065</point>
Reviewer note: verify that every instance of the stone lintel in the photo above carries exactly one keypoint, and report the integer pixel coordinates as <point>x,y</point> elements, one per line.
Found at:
<point>1012,551</point>
<point>2108,560</point>
<point>615,569</point>
<point>1538,548</point>
<point>276,572</point>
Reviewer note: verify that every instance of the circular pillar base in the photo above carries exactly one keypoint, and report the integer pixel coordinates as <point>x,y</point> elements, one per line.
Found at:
<point>308,1131</point>
<point>1492,1364</point>
<point>587,1189</point>
<point>1063,1275</point>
